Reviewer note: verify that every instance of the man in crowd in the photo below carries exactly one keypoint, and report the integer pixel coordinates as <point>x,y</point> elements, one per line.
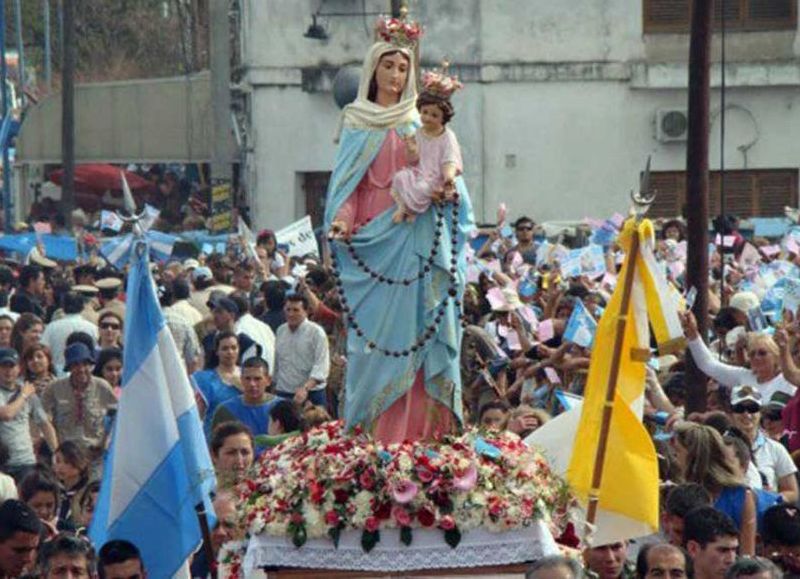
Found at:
<point>253,406</point>
<point>56,332</point>
<point>120,559</point>
<point>757,568</point>
<point>19,406</point>
<point>20,532</point>
<point>225,530</point>
<point>555,567</point>
<point>274,292</point>
<point>182,331</point>
<point>108,295</point>
<point>663,561</point>
<point>523,228</point>
<point>225,313</point>
<point>260,332</point>
<point>79,402</point>
<point>302,359</point>
<point>712,540</point>
<point>608,561</point>
<point>29,297</point>
<point>681,500</point>
<point>181,306</point>
<point>67,555</point>
<point>781,536</point>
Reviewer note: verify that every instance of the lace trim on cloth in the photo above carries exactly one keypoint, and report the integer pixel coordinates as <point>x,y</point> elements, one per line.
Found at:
<point>428,550</point>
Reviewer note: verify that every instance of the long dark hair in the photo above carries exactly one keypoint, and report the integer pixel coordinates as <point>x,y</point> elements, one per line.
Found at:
<point>372,93</point>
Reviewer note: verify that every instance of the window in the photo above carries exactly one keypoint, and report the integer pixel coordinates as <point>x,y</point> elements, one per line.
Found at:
<point>665,16</point>
<point>756,193</point>
<point>315,187</point>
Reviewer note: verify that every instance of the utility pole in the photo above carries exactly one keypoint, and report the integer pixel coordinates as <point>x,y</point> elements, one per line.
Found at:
<point>220,64</point>
<point>48,64</point>
<point>68,109</point>
<point>20,50</point>
<point>697,185</point>
<point>7,213</point>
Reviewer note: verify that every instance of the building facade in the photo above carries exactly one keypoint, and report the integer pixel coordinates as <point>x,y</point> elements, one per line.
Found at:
<point>563,101</point>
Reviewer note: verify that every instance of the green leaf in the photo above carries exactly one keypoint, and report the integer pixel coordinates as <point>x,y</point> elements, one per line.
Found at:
<point>369,539</point>
<point>405,536</point>
<point>452,537</point>
<point>299,535</point>
<point>334,533</point>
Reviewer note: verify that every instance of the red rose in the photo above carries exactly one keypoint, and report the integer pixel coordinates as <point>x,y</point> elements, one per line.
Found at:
<point>366,480</point>
<point>496,509</point>
<point>372,524</point>
<point>383,511</point>
<point>401,516</point>
<point>426,517</point>
<point>424,475</point>
<point>317,493</point>
<point>340,496</point>
<point>297,518</point>
<point>447,523</point>
<point>332,518</point>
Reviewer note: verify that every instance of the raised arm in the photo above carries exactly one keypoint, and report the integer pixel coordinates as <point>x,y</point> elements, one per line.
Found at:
<point>705,360</point>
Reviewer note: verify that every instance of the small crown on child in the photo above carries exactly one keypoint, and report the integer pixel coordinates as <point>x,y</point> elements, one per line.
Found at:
<point>438,82</point>
<point>398,32</point>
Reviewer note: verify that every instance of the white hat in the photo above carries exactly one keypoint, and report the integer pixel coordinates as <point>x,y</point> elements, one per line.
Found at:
<point>744,301</point>
<point>36,257</point>
<point>191,263</point>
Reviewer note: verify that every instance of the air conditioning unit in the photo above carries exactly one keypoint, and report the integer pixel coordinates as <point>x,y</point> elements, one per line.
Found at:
<point>672,125</point>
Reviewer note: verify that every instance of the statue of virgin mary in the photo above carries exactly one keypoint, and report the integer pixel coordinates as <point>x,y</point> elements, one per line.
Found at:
<point>400,283</point>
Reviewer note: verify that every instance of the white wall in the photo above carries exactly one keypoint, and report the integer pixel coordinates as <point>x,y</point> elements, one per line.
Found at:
<point>557,117</point>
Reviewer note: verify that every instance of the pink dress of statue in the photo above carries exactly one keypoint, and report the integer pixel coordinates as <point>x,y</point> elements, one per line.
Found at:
<point>415,415</point>
<point>415,185</point>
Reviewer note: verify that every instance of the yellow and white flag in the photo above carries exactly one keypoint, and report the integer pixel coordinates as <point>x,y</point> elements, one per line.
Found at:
<point>629,487</point>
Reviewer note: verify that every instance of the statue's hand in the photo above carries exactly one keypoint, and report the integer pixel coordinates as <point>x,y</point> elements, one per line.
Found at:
<point>339,230</point>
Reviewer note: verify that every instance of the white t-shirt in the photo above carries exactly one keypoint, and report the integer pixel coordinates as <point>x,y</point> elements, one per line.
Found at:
<point>772,460</point>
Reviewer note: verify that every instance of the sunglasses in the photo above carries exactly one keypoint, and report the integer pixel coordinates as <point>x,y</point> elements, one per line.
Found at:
<point>746,408</point>
<point>109,326</point>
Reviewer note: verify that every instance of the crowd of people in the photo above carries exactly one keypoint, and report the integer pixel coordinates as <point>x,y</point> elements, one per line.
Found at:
<point>263,337</point>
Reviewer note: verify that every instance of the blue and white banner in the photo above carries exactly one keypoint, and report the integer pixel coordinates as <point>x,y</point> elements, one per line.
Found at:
<point>158,467</point>
<point>581,326</point>
<point>117,250</point>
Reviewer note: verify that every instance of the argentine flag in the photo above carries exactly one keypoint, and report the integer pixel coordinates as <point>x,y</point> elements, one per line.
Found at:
<point>158,467</point>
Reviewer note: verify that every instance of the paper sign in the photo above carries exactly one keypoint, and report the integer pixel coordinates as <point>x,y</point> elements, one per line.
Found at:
<point>728,241</point>
<point>545,331</point>
<point>609,280</point>
<point>618,220</point>
<point>299,237</point>
<point>527,314</point>
<point>791,295</point>
<point>691,296</point>
<point>756,319</point>
<point>207,248</point>
<point>42,227</point>
<point>581,326</point>
<point>110,220</point>
<point>791,246</point>
<point>506,231</point>
<point>568,400</point>
<point>552,375</point>
<point>473,273</point>
<point>495,298</point>
<point>512,339</point>
<point>771,250</point>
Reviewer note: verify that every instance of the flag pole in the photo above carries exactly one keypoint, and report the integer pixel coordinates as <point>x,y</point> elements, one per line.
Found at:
<point>641,204</point>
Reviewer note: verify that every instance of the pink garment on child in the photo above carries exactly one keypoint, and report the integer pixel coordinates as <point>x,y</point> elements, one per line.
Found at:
<point>415,415</point>
<point>415,185</point>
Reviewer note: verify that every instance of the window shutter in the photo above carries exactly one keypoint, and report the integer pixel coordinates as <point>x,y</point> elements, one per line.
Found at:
<point>739,193</point>
<point>771,10</point>
<point>669,187</point>
<point>775,190</point>
<point>666,15</point>
<point>733,12</point>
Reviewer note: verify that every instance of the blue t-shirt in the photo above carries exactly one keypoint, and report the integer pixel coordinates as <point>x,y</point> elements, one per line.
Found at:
<point>214,392</point>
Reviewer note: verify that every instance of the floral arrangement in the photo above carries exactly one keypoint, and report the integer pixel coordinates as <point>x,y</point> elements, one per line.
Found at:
<point>439,83</point>
<point>326,481</point>
<point>398,32</point>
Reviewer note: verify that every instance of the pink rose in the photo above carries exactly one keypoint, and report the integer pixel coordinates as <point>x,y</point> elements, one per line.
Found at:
<point>447,523</point>
<point>424,475</point>
<point>332,518</point>
<point>401,516</point>
<point>467,480</point>
<point>404,491</point>
<point>371,524</point>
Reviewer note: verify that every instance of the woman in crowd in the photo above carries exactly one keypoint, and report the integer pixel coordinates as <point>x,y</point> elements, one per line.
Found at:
<point>109,367</point>
<point>702,458</point>
<point>273,259</point>
<point>71,466</point>
<point>216,385</point>
<point>771,459</point>
<point>110,335</point>
<point>41,493</point>
<point>762,353</point>
<point>37,366</point>
<point>27,332</point>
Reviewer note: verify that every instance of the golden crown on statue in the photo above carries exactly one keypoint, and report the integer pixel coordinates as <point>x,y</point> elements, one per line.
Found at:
<point>438,82</point>
<point>398,32</point>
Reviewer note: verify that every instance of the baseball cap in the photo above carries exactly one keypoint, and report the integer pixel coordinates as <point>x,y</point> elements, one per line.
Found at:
<point>8,356</point>
<point>745,393</point>
<point>223,302</point>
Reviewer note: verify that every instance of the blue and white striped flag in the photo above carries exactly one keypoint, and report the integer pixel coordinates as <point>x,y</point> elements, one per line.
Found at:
<point>158,466</point>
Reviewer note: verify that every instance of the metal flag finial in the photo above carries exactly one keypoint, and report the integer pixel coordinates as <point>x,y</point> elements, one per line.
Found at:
<point>644,198</point>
